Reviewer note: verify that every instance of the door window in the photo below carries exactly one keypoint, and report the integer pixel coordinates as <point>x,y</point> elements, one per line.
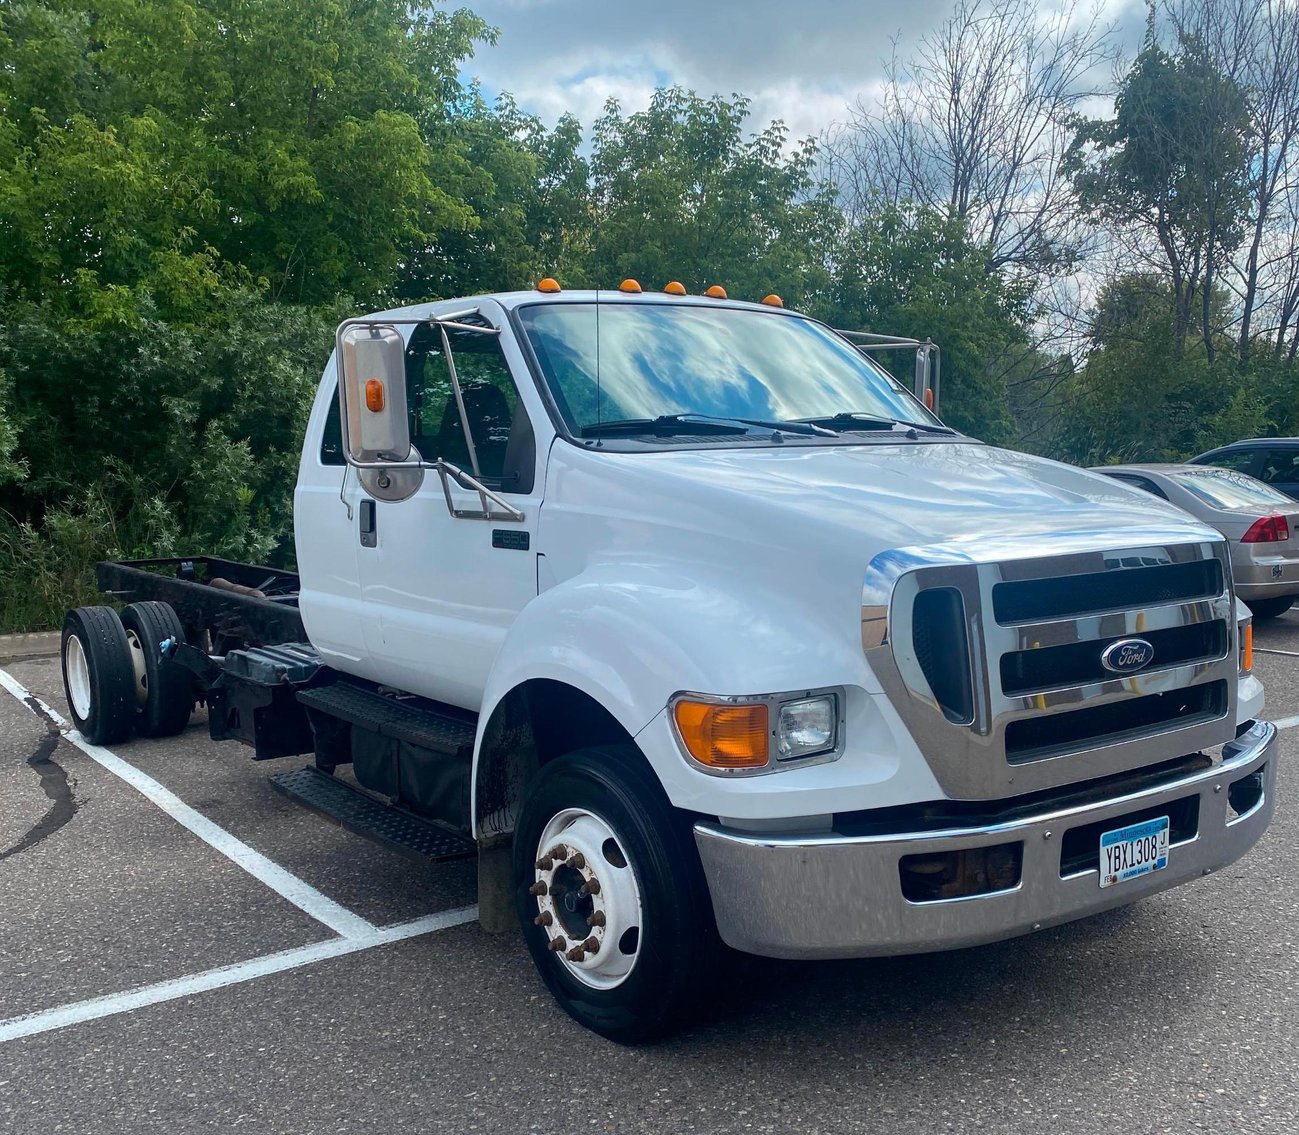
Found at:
<point>1241,460</point>
<point>1280,466</point>
<point>498,423</point>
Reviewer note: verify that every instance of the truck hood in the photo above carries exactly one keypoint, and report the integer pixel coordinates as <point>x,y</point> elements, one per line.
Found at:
<point>893,496</point>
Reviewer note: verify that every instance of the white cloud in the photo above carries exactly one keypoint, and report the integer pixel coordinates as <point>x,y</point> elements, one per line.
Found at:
<point>804,62</point>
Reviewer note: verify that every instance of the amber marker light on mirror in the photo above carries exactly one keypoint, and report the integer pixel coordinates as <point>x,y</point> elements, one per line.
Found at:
<point>374,396</point>
<point>716,291</point>
<point>674,288</point>
<point>723,736</point>
<point>629,286</point>
<point>549,285</point>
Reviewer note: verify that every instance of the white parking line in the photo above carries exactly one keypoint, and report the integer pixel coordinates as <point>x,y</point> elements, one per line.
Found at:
<point>1287,722</point>
<point>284,883</point>
<point>64,1015</point>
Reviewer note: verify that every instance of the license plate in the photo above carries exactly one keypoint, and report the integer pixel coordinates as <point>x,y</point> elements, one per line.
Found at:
<point>1128,853</point>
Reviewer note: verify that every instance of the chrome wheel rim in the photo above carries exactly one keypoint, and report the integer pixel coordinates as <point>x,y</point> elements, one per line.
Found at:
<point>78,673</point>
<point>588,899</point>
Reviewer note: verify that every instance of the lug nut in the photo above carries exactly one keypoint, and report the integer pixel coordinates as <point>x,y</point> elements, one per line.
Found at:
<point>545,918</point>
<point>559,851</point>
<point>590,887</point>
<point>591,945</point>
<point>596,919</point>
<point>545,863</point>
<point>576,954</point>
<point>577,861</point>
<point>558,944</point>
<point>538,888</point>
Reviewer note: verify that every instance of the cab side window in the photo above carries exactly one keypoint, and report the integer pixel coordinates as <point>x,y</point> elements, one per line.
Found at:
<point>498,423</point>
<point>331,441</point>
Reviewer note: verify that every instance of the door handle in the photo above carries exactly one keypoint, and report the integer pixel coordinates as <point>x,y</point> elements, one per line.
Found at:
<point>369,538</point>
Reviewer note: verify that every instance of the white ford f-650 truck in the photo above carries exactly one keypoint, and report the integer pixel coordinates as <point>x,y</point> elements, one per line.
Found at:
<point>700,630</point>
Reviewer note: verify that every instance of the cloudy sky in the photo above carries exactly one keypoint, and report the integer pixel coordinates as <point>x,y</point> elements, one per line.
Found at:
<point>800,60</point>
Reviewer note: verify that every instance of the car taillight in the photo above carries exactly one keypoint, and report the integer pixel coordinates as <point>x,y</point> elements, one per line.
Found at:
<point>1267,530</point>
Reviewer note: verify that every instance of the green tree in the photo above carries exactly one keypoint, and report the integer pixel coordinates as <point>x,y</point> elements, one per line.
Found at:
<point>1171,168</point>
<point>915,272</point>
<point>1135,400</point>
<point>681,193</point>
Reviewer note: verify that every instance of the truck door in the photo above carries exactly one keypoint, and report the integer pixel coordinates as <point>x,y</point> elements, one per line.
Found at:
<point>441,591</point>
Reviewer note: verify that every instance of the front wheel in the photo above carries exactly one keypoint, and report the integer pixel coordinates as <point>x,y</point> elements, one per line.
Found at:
<point>611,896</point>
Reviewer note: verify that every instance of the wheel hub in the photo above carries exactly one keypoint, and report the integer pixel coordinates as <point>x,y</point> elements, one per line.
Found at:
<point>588,899</point>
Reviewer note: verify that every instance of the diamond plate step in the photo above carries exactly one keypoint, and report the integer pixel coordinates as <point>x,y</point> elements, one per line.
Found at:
<point>400,719</point>
<point>383,823</point>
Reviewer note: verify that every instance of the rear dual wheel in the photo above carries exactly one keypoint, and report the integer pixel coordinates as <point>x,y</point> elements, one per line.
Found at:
<point>115,677</point>
<point>611,896</point>
<point>98,677</point>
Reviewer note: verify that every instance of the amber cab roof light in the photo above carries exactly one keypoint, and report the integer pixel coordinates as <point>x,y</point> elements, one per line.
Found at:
<point>549,284</point>
<point>717,292</point>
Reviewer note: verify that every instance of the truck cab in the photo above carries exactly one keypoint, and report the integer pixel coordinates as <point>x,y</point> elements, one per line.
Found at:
<point>720,638</point>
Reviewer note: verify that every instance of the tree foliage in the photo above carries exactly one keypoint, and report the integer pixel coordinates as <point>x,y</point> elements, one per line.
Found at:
<point>193,192</point>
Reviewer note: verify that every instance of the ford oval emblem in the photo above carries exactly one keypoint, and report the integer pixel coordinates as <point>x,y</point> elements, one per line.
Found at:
<point>1127,655</point>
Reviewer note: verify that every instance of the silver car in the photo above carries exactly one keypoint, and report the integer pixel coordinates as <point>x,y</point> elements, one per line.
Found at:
<point>1261,523</point>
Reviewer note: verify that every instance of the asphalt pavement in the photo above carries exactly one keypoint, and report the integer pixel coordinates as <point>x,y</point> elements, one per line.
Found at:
<point>192,952</point>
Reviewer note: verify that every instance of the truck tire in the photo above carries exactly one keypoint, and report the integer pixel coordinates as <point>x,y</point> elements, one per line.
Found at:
<point>599,817</point>
<point>168,689</point>
<point>1263,609</point>
<point>98,677</point>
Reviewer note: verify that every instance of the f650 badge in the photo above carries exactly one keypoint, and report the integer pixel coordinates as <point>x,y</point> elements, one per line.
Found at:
<point>1127,655</point>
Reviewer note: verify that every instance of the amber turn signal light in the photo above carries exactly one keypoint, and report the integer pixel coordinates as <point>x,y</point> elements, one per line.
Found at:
<point>374,396</point>
<point>1247,650</point>
<point>723,736</point>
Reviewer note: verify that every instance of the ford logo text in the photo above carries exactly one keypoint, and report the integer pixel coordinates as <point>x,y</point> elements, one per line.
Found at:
<point>1127,655</point>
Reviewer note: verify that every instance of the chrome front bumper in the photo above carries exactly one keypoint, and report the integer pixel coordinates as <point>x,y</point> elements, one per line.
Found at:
<point>833,896</point>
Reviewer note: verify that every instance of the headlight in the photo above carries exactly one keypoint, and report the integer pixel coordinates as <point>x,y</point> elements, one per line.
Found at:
<point>743,735</point>
<point>807,727</point>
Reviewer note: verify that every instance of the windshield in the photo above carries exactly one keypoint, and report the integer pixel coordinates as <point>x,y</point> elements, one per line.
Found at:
<point>1224,489</point>
<point>655,360</point>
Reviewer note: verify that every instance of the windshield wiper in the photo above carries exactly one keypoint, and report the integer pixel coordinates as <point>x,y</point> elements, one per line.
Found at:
<point>668,424</point>
<point>855,420</point>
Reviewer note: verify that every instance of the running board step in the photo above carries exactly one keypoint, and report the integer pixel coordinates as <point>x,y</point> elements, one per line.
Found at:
<point>384,823</point>
<point>402,719</point>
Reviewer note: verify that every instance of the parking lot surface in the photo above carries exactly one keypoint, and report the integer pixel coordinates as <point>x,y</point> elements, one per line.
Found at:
<point>182,948</point>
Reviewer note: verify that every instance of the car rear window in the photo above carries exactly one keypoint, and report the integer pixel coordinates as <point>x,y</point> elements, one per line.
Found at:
<point>1224,489</point>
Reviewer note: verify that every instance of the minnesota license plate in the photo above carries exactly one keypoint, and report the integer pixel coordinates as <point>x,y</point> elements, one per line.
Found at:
<point>1128,853</point>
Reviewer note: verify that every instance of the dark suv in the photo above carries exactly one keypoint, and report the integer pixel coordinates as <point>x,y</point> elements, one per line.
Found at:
<point>1274,460</point>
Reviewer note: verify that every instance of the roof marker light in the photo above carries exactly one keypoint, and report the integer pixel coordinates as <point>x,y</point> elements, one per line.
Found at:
<point>773,300</point>
<point>674,288</point>
<point>549,284</point>
<point>716,291</point>
<point>629,285</point>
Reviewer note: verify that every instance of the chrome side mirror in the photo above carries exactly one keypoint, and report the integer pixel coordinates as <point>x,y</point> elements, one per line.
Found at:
<point>372,393</point>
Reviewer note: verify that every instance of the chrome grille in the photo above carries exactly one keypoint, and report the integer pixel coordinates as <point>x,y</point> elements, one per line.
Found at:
<point>1019,642</point>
